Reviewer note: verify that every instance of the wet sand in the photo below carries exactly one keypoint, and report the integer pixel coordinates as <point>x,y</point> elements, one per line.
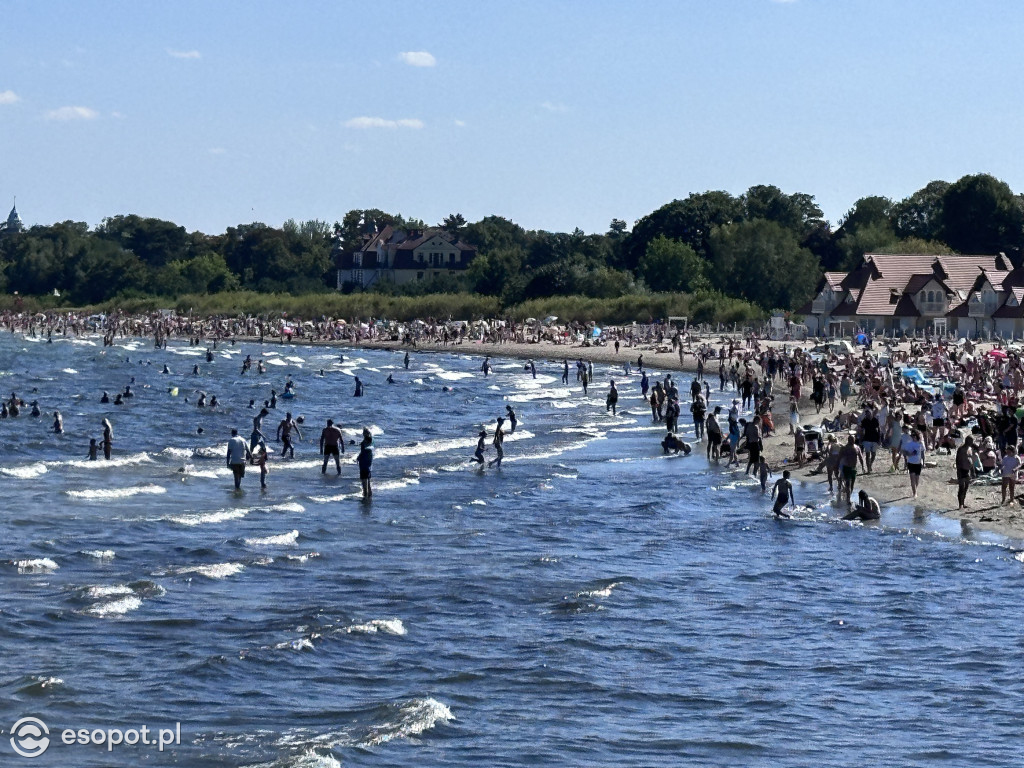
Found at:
<point>936,493</point>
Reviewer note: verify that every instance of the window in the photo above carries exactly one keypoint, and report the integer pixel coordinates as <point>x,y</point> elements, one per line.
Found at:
<point>924,296</point>
<point>931,296</point>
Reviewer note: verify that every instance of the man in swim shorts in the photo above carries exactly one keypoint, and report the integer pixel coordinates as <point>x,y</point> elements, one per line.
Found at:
<point>330,440</point>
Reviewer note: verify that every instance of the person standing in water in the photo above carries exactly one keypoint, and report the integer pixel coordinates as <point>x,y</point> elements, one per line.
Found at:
<point>783,494</point>
<point>365,462</point>
<point>565,372</point>
<point>330,440</point>
<point>611,402</point>
<point>238,454</point>
<point>58,423</point>
<point>511,415</point>
<point>481,446</point>
<point>108,438</point>
<point>359,388</point>
<point>406,361</point>
<point>93,449</point>
<point>497,442</point>
<point>284,434</point>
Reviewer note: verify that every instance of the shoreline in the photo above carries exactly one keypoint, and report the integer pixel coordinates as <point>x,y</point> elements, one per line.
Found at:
<point>935,494</point>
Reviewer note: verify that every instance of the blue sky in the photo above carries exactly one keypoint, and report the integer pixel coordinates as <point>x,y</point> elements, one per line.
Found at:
<point>554,114</point>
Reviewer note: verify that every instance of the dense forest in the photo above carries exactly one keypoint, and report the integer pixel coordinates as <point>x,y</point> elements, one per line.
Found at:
<point>759,251</point>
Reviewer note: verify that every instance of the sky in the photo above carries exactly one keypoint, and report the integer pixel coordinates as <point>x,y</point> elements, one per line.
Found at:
<point>554,114</point>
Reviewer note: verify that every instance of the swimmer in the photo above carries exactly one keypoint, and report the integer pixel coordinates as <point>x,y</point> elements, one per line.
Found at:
<point>105,398</point>
<point>867,508</point>
<point>128,391</point>
<point>406,361</point>
<point>612,400</point>
<point>93,449</point>
<point>58,423</point>
<point>118,399</point>
<point>783,494</point>
<point>213,401</point>
<point>391,379</point>
<point>195,370</point>
<point>201,403</point>
<point>35,409</point>
<point>359,388</point>
<point>166,369</point>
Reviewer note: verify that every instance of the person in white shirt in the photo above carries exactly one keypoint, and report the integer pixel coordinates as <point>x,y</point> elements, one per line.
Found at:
<point>913,453</point>
<point>238,454</point>
<point>938,428</point>
<point>1010,464</point>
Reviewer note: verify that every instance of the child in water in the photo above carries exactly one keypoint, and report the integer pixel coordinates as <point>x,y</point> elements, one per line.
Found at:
<point>763,473</point>
<point>93,449</point>
<point>261,461</point>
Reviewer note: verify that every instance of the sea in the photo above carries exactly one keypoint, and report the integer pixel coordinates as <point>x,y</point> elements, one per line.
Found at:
<point>591,602</point>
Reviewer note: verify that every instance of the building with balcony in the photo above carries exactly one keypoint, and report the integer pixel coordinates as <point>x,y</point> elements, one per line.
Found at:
<point>893,293</point>
<point>402,256</point>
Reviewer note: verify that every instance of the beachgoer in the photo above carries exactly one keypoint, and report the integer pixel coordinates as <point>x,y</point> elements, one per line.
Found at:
<point>478,455</point>
<point>238,455</point>
<point>1010,465</point>
<point>782,492</point>
<point>284,434</point>
<point>359,388</point>
<point>497,442</point>
<point>867,508</point>
<point>964,471</point>
<point>612,400</point>
<point>512,420</point>
<point>331,440</point>
<point>365,462</point>
<point>913,453</point>
<point>93,449</point>
<point>108,438</point>
<point>763,473</point>
<point>58,423</point>
<point>849,456</point>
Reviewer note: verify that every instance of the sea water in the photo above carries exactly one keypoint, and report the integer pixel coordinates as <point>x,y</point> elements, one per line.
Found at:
<point>591,603</point>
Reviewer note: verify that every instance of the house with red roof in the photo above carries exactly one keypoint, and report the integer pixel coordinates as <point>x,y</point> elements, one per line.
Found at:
<point>889,293</point>
<point>403,256</point>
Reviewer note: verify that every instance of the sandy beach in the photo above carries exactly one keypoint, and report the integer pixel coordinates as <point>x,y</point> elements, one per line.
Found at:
<point>937,490</point>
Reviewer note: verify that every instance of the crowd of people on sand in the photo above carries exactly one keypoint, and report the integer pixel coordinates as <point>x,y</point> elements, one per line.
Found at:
<point>904,402</point>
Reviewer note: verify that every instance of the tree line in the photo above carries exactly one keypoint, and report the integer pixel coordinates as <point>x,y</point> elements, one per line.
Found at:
<point>765,247</point>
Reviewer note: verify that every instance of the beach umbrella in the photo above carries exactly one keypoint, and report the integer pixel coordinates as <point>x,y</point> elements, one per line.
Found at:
<point>862,338</point>
<point>596,332</point>
<point>550,319</point>
<point>996,353</point>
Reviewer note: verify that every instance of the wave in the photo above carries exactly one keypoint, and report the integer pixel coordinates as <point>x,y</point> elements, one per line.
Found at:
<point>302,558</point>
<point>117,607</point>
<point>308,759</point>
<point>215,571</point>
<point>92,494</point>
<point>99,554</point>
<point>453,375</point>
<point>387,626</point>
<point>206,518</point>
<point>283,539</point>
<point>444,446</point>
<point>38,684</point>
<point>121,461</point>
<point>36,565</point>
<point>26,472</point>
<point>412,718</point>
<point>113,590</point>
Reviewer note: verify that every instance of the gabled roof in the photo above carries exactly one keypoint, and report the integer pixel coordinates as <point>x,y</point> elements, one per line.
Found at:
<point>1014,304</point>
<point>834,280</point>
<point>882,274</point>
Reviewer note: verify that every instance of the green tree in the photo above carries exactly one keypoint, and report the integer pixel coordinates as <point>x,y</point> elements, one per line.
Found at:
<point>494,232</point>
<point>154,241</point>
<point>920,215</point>
<point>454,223</point>
<point>980,214</point>
<point>669,265</point>
<point>690,220</point>
<point>763,262</point>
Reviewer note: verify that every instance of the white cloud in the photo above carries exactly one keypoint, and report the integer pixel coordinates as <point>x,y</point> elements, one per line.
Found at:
<point>418,58</point>
<point>460,123</point>
<point>9,97</point>
<point>117,115</point>
<point>554,107</point>
<point>184,54</point>
<point>380,122</point>
<point>72,113</point>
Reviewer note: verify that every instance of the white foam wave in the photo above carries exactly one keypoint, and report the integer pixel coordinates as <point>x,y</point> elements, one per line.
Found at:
<point>36,565</point>
<point>444,446</point>
<point>70,371</point>
<point>302,558</point>
<point>207,518</point>
<point>288,506</point>
<point>414,717</point>
<point>387,626</point>
<point>99,554</point>
<point>603,592</point>
<point>337,497</point>
<point>115,607</point>
<point>101,591</point>
<point>26,472</point>
<point>116,493</point>
<point>283,539</point>
<point>541,394</point>
<point>215,571</point>
<point>121,461</point>
<point>453,375</point>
